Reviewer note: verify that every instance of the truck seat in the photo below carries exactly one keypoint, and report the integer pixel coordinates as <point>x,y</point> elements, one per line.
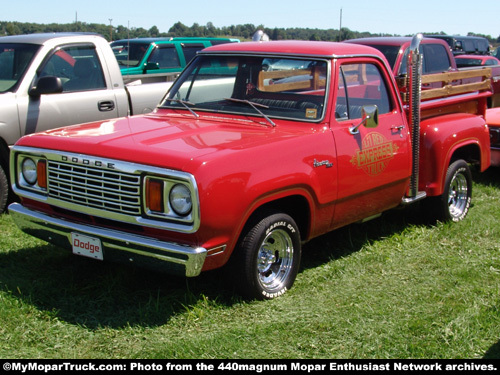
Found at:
<point>87,77</point>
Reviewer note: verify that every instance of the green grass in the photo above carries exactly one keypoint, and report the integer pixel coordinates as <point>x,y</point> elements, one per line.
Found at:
<point>395,287</point>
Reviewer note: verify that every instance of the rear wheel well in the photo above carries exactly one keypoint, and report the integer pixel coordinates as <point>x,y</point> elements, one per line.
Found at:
<point>470,153</point>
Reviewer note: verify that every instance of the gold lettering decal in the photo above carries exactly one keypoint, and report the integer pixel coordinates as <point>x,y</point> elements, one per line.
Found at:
<point>375,153</point>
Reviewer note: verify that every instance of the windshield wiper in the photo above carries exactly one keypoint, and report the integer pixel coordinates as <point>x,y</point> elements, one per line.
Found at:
<point>254,106</point>
<point>185,103</point>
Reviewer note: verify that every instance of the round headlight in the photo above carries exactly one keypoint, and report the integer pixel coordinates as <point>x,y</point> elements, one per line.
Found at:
<point>180,199</point>
<point>29,171</point>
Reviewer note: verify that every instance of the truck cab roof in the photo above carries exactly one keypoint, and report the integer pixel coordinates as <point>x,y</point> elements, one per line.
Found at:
<point>296,48</point>
<point>40,38</point>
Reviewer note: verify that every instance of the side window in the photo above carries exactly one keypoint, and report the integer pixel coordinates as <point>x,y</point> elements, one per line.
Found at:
<point>7,63</point>
<point>468,46</point>
<point>359,85</point>
<point>484,47</point>
<point>78,67</point>
<point>166,57</point>
<point>436,59</point>
<point>190,50</point>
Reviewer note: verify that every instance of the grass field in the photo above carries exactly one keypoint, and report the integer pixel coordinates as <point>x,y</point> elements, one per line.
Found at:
<point>395,287</point>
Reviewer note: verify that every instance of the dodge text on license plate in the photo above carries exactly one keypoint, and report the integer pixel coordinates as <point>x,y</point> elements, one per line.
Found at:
<point>86,246</point>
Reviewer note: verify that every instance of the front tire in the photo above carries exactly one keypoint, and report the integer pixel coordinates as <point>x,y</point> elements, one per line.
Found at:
<point>268,257</point>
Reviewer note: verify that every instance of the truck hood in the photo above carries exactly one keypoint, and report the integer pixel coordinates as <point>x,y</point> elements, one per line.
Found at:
<point>165,140</point>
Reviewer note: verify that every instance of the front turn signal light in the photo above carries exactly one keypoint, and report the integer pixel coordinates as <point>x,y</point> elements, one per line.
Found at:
<point>154,195</point>
<point>41,169</point>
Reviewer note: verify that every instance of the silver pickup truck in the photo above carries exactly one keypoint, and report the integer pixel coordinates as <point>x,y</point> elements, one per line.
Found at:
<point>53,80</point>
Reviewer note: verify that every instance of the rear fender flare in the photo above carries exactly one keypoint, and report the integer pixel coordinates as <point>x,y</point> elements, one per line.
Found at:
<point>445,139</point>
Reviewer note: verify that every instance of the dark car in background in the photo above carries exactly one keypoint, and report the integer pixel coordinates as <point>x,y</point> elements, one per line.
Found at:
<point>464,61</point>
<point>465,45</point>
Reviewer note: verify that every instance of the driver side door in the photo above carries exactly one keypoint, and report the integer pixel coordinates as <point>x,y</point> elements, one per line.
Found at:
<point>374,164</point>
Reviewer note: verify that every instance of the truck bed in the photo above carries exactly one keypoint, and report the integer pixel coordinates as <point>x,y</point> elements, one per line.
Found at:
<point>470,96</point>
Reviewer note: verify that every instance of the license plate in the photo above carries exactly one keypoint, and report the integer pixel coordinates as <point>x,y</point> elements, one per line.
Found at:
<point>86,246</point>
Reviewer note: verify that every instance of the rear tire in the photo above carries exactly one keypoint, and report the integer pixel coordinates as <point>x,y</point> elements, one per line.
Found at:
<point>454,203</point>
<point>268,257</point>
<point>4,190</point>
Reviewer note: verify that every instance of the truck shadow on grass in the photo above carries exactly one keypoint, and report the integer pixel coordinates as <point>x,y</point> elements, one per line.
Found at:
<point>352,238</point>
<point>97,294</point>
<point>490,177</point>
<point>493,352</point>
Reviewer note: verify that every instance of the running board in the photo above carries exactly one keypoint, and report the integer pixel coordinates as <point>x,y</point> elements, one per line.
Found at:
<point>369,218</point>
<point>409,200</point>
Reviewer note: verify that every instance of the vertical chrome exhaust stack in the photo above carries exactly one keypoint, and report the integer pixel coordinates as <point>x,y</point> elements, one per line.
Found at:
<point>415,83</point>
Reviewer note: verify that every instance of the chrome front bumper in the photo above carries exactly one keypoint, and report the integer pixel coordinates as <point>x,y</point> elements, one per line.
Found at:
<point>116,245</point>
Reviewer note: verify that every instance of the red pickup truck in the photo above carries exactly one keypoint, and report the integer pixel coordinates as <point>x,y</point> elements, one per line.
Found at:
<point>437,58</point>
<point>256,148</point>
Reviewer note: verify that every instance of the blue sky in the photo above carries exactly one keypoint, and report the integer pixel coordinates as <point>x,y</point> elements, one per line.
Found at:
<point>387,16</point>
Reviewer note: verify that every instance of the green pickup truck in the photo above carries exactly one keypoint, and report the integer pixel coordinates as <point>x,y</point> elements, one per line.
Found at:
<point>153,59</point>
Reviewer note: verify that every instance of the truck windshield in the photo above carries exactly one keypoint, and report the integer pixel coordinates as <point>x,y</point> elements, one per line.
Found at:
<point>14,60</point>
<point>129,54</point>
<point>265,87</point>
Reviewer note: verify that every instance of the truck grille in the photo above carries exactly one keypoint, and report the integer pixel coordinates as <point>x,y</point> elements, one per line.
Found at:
<point>113,191</point>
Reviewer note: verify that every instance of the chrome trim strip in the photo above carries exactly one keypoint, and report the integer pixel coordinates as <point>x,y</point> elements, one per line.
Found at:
<point>44,226</point>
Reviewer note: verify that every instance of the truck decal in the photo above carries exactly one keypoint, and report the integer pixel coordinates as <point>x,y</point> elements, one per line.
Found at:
<point>375,154</point>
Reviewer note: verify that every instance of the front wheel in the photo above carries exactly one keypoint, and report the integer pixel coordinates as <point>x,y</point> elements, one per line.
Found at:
<point>268,257</point>
<point>454,203</point>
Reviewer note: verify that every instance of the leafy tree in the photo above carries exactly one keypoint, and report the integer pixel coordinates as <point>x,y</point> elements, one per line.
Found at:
<point>243,32</point>
<point>211,30</point>
<point>178,29</point>
<point>154,31</point>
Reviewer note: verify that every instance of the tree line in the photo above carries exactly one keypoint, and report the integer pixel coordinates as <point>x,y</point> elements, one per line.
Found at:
<point>243,32</point>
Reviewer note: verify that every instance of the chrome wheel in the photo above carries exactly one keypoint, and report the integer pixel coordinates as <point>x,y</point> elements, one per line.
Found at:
<point>454,203</point>
<point>275,260</point>
<point>458,195</point>
<point>268,256</point>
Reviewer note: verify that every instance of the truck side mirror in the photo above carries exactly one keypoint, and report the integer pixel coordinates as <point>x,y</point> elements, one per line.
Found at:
<point>369,118</point>
<point>369,114</point>
<point>46,85</point>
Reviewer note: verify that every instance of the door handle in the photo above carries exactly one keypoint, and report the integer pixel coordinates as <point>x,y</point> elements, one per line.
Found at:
<point>106,105</point>
<point>397,129</point>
